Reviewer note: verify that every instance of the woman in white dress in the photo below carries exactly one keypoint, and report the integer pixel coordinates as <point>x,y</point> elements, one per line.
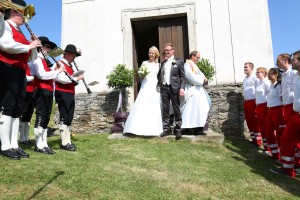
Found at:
<point>145,116</point>
<point>195,104</point>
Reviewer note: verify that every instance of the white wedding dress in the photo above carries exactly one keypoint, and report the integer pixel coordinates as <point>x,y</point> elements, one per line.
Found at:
<point>145,116</point>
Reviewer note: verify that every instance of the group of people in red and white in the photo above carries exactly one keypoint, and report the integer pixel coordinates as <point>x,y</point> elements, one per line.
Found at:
<point>27,82</point>
<point>272,110</point>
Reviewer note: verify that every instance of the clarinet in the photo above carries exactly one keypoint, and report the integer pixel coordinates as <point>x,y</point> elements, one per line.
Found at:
<point>85,84</point>
<point>66,73</point>
<point>49,64</point>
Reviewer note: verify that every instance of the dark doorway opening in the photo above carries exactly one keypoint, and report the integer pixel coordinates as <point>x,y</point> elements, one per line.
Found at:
<point>157,32</point>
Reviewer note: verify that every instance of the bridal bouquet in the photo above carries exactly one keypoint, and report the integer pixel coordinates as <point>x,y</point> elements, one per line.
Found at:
<point>143,71</point>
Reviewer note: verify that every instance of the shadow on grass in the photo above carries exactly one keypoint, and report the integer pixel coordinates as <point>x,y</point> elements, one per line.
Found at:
<point>261,164</point>
<point>58,173</point>
<point>249,154</point>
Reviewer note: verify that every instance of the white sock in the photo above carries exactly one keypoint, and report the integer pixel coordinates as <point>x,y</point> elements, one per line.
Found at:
<point>45,137</point>
<point>38,132</point>
<point>26,131</point>
<point>5,129</point>
<point>22,131</point>
<point>64,134</point>
<point>15,133</point>
<point>69,135</point>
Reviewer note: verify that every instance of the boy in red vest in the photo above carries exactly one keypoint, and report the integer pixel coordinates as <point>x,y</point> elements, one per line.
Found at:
<point>64,96</point>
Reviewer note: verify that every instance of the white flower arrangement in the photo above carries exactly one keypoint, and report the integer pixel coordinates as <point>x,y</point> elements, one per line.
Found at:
<point>173,62</point>
<point>143,71</point>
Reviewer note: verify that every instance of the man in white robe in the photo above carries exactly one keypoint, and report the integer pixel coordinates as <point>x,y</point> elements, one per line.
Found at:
<point>195,104</point>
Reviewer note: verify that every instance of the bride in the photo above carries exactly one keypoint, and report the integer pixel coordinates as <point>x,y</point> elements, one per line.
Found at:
<point>145,116</point>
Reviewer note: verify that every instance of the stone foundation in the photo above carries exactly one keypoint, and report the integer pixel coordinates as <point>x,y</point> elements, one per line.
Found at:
<point>93,113</point>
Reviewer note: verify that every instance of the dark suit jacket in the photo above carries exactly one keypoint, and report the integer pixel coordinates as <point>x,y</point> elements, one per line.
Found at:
<point>177,76</point>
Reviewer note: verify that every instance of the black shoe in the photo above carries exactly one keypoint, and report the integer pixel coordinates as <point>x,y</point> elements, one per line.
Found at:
<point>178,136</point>
<point>49,150</point>
<point>27,143</point>
<point>165,133</point>
<point>73,145</point>
<point>68,147</point>
<point>21,153</point>
<point>43,150</point>
<point>11,153</point>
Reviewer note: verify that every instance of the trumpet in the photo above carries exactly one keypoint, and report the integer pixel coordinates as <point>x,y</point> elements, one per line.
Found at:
<point>28,11</point>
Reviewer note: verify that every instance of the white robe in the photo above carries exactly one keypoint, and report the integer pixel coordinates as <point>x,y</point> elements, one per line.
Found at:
<point>194,105</point>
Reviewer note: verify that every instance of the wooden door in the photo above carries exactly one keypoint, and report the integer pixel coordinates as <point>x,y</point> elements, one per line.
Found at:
<point>174,31</point>
<point>135,65</point>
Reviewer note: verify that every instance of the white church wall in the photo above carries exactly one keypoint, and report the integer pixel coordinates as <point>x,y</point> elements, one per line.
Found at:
<point>227,32</point>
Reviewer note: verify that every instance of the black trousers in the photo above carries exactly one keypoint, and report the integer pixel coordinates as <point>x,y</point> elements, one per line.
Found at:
<point>12,89</point>
<point>28,107</point>
<point>43,100</point>
<point>66,106</point>
<point>167,95</point>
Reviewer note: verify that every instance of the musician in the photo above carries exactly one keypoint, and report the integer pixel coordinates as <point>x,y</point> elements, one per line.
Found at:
<point>64,96</point>
<point>15,50</point>
<point>27,111</point>
<point>44,78</point>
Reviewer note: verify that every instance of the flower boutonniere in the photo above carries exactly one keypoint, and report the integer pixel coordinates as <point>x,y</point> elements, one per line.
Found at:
<point>173,62</point>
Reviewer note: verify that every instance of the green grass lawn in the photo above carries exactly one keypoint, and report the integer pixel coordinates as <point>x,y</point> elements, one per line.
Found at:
<point>139,168</point>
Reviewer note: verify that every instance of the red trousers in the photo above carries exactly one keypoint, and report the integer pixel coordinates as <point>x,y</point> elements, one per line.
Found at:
<point>261,113</point>
<point>289,141</point>
<point>288,112</point>
<point>251,120</point>
<point>274,128</point>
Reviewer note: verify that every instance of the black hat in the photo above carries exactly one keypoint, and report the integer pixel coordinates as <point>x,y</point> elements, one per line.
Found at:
<point>45,40</point>
<point>19,2</point>
<point>72,48</point>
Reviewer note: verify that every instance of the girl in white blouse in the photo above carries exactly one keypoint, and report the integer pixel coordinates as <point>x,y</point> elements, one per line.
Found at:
<point>275,119</point>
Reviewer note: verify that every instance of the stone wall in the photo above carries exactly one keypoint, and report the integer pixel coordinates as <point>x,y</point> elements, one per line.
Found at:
<point>93,113</point>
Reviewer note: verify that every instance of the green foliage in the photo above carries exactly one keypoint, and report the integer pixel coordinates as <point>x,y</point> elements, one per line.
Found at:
<point>120,77</point>
<point>206,68</point>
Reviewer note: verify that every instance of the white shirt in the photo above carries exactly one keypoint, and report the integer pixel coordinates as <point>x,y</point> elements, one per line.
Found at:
<point>296,89</point>
<point>287,86</point>
<point>37,69</point>
<point>249,87</point>
<point>274,96</point>
<point>167,70</point>
<point>9,45</point>
<point>262,90</point>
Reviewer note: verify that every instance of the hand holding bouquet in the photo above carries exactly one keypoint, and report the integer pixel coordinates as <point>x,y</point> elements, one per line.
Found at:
<point>143,71</point>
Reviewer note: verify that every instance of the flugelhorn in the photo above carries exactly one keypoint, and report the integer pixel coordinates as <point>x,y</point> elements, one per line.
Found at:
<point>28,11</point>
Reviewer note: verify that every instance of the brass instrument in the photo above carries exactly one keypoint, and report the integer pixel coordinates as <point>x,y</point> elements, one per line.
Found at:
<point>28,12</point>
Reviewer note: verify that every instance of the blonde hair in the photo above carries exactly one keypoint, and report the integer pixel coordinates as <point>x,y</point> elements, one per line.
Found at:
<point>155,50</point>
<point>262,70</point>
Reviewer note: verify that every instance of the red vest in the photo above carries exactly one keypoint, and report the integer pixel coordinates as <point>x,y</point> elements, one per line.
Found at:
<point>44,84</point>
<point>30,84</point>
<point>17,60</point>
<point>66,87</point>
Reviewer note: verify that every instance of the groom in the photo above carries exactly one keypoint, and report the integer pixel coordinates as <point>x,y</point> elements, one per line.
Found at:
<point>171,82</point>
